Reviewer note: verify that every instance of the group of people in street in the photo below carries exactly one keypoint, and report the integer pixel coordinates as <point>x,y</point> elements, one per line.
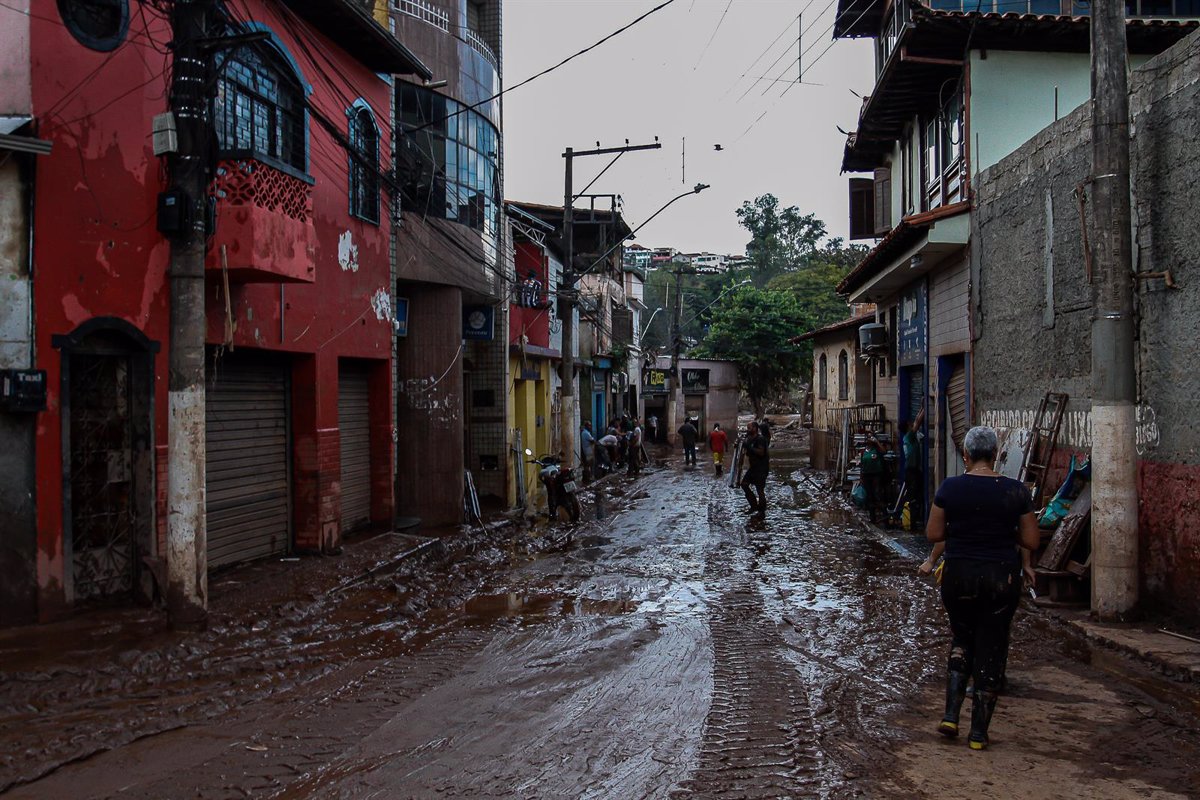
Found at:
<point>622,445</point>
<point>756,451</point>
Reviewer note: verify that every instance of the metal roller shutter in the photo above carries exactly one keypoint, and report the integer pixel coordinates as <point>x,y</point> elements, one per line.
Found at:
<point>246,469</point>
<point>354,426</point>
<point>956,401</point>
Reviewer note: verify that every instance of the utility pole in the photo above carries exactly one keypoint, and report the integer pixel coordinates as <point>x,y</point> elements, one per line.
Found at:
<point>568,409</point>
<point>1114,386</point>
<point>676,391</point>
<point>187,541</point>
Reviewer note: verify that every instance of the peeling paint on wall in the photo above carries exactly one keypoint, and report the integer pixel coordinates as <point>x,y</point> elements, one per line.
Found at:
<point>347,253</point>
<point>381,302</point>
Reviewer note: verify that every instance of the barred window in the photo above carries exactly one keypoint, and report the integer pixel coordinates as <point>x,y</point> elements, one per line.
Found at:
<point>364,165</point>
<point>259,109</point>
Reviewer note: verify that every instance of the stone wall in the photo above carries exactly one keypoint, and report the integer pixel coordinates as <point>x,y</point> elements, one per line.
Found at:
<point>1031,301</point>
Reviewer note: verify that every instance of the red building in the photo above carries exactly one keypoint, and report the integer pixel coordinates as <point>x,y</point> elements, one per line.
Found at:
<point>299,288</point>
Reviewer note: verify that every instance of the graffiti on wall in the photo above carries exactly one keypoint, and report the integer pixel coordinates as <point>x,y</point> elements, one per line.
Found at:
<point>1076,430</point>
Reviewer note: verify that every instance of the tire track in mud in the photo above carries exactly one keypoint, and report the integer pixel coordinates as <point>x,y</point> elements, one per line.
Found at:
<point>759,739</point>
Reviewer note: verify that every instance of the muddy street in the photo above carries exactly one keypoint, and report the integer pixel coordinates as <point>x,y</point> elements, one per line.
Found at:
<point>676,648</point>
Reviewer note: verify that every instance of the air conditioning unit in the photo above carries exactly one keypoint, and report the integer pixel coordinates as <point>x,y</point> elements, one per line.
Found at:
<point>873,339</point>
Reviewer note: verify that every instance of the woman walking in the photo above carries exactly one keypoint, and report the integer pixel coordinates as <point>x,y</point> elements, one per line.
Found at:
<point>983,518</point>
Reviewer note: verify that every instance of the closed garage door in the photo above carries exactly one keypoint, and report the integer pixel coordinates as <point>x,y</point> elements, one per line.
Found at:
<point>246,471</point>
<point>354,427</point>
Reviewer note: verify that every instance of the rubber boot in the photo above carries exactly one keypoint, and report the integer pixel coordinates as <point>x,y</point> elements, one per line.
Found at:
<point>984,704</point>
<point>956,692</point>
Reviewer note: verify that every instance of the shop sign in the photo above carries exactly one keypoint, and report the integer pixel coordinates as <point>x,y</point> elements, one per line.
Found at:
<point>695,381</point>
<point>478,323</point>
<point>654,381</point>
<point>400,316</point>
<point>912,326</point>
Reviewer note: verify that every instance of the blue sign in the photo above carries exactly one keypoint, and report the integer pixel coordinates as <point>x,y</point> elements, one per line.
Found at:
<point>479,323</point>
<point>912,325</point>
<point>400,316</point>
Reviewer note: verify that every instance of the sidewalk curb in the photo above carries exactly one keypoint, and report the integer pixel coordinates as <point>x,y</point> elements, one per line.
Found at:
<point>1175,658</point>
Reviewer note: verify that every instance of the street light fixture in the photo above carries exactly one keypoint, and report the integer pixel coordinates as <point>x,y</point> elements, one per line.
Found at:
<point>697,189</point>
<point>642,335</point>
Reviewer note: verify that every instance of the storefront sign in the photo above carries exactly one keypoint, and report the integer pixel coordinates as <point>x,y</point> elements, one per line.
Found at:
<point>400,316</point>
<point>695,381</point>
<point>654,381</point>
<point>912,326</point>
<point>478,323</point>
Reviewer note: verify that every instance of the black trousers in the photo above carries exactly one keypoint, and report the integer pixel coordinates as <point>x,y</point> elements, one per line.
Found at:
<point>981,598</point>
<point>760,485</point>
<point>873,485</point>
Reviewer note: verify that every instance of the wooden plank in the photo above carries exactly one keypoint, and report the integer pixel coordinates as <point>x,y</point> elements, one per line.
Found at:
<point>1072,525</point>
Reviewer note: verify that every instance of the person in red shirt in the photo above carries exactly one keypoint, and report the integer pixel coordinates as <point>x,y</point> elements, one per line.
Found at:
<point>717,443</point>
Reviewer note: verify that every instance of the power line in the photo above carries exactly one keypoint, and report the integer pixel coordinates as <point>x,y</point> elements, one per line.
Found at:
<point>548,70</point>
<point>765,50</point>
<point>714,35</point>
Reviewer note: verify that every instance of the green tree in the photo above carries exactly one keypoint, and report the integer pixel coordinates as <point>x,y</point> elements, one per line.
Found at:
<point>753,328</point>
<point>781,239</point>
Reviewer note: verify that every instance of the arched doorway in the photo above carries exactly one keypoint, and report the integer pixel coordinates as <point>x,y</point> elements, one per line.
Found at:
<point>108,459</point>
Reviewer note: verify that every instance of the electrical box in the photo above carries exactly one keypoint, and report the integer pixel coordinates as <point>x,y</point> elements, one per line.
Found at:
<point>172,212</point>
<point>163,133</point>
<point>23,390</point>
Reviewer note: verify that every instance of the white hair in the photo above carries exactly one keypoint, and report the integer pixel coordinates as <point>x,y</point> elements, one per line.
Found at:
<point>981,443</point>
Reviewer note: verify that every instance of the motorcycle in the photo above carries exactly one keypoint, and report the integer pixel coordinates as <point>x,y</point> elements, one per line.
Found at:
<point>560,485</point>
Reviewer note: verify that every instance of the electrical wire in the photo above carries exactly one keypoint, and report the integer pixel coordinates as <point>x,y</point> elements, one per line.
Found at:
<point>714,35</point>
<point>550,69</point>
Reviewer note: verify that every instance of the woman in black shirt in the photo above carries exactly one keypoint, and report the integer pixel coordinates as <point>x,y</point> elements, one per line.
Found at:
<point>983,518</point>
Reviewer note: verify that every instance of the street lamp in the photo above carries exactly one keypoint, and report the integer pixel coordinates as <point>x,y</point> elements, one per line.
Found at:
<point>697,189</point>
<point>642,335</point>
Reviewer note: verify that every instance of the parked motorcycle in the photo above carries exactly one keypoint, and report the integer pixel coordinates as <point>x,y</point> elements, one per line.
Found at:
<point>560,485</point>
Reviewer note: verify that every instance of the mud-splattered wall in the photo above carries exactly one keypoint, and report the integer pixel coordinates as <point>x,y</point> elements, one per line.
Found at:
<point>1031,301</point>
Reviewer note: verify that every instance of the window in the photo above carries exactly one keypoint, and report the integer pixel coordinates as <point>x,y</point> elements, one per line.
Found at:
<point>822,378</point>
<point>449,166</point>
<point>364,165</point>
<point>942,164</point>
<point>259,110</point>
<point>843,376</point>
<point>96,24</point>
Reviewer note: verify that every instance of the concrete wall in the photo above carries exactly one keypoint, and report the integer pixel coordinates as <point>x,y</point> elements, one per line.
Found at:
<point>1033,303</point>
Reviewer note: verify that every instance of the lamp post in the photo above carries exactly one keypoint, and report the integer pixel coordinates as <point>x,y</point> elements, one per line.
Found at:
<point>654,314</point>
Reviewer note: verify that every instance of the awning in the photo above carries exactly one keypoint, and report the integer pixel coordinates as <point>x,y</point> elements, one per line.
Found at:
<point>10,140</point>
<point>357,32</point>
<point>913,248</point>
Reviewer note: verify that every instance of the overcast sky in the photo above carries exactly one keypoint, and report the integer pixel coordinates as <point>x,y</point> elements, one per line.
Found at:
<point>658,79</point>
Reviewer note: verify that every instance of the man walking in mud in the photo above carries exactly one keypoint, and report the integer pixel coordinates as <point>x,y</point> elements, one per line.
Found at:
<point>759,458</point>
<point>688,435</point>
<point>718,443</point>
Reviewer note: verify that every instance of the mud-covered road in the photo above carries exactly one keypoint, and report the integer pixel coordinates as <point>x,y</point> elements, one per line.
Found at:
<point>675,649</point>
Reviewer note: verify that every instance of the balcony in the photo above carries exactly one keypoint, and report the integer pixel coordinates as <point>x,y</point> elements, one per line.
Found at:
<point>264,222</point>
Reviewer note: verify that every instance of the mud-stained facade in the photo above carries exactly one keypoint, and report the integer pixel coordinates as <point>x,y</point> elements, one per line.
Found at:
<point>451,260</point>
<point>297,261</point>
<point>1032,304</point>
